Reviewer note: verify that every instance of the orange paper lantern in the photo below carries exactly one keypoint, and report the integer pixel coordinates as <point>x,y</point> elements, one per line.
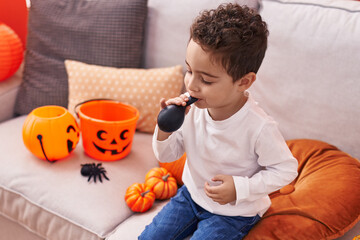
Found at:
<point>11,52</point>
<point>14,13</point>
<point>50,132</point>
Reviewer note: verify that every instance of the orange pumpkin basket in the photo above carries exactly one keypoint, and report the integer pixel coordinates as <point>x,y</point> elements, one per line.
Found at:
<point>50,132</point>
<point>107,128</point>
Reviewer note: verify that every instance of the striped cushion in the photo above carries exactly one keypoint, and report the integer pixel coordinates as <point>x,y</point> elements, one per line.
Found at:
<point>108,33</point>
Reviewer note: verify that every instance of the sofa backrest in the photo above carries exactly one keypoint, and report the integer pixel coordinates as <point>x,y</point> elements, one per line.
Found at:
<point>310,78</point>
<point>168,28</point>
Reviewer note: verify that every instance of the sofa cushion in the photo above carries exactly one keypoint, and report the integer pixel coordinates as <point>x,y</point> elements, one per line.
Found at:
<point>132,227</point>
<point>54,200</point>
<point>308,81</point>
<point>166,36</point>
<point>8,92</point>
<point>106,33</point>
<point>141,88</point>
<point>322,202</point>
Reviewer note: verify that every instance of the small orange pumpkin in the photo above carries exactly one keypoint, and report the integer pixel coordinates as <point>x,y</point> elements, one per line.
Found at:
<point>161,182</point>
<point>139,197</point>
<point>176,168</point>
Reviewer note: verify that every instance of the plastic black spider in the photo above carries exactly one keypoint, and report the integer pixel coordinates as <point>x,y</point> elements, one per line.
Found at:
<point>92,170</point>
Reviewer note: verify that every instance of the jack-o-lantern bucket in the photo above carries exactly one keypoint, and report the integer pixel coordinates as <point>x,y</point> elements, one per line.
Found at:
<point>50,132</point>
<point>107,128</point>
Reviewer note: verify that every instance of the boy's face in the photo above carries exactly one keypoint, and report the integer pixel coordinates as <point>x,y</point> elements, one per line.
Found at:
<point>209,82</point>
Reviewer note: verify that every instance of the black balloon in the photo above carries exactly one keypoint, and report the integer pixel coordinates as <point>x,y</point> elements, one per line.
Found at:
<point>172,117</point>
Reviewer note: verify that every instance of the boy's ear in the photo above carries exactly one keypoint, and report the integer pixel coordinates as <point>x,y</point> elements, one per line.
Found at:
<point>246,81</point>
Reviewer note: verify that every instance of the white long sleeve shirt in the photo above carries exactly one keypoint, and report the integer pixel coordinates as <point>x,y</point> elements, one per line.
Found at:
<point>247,146</point>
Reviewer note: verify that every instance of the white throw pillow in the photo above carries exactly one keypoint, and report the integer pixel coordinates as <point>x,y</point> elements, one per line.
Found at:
<point>309,80</point>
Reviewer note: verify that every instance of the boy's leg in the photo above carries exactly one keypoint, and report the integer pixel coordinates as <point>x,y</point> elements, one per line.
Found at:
<point>176,220</point>
<point>212,226</point>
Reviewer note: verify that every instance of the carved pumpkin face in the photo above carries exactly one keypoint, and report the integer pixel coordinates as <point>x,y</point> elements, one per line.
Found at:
<point>107,129</point>
<point>111,143</point>
<point>50,132</point>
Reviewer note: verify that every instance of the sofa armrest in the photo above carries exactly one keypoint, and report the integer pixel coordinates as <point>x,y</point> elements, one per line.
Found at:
<point>8,91</point>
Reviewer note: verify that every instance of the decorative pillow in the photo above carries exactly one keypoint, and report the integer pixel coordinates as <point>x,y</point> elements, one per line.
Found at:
<point>302,93</point>
<point>325,202</point>
<point>108,33</point>
<point>142,88</point>
<point>321,203</point>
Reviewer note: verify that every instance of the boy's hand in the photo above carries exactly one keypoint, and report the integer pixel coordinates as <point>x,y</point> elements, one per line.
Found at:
<point>223,193</point>
<point>181,100</point>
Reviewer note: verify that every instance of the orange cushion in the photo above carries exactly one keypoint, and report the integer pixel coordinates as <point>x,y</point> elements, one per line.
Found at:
<point>325,200</point>
<point>321,203</point>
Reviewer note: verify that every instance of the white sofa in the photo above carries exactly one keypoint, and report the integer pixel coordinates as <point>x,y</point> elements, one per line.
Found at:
<point>309,82</point>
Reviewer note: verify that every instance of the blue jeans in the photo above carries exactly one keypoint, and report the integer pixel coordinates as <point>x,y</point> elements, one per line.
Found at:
<point>182,217</point>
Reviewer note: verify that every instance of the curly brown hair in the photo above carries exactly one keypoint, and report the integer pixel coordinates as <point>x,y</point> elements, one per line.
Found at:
<point>234,35</point>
